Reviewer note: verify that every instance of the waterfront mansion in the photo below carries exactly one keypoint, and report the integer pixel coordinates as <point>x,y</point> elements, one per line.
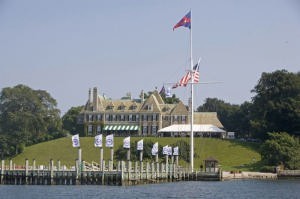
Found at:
<point>138,117</point>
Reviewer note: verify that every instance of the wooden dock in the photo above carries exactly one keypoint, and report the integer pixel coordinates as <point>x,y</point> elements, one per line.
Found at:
<point>124,173</point>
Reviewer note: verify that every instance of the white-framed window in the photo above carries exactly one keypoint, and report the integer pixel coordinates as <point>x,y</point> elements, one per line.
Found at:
<point>175,117</point>
<point>90,129</point>
<point>133,107</point>
<point>144,132</point>
<point>130,118</point>
<point>154,130</point>
<point>90,118</point>
<point>98,128</point>
<point>122,107</point>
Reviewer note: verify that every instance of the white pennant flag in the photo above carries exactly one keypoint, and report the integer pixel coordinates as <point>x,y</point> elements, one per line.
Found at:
<point>169,150</point>
<point>109,140</point>
<point>155,149</point>
<point>168,93</point>
<point>75,140</point>
<point>166,150</point>
<point>140,145</point>
<point>98,140</point>
<point>176,150</point>
<point>126,143</point>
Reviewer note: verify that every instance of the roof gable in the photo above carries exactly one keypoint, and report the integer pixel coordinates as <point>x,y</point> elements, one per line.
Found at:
<point>151,104</point>
<point>179,109</point>
<point>158,97</point>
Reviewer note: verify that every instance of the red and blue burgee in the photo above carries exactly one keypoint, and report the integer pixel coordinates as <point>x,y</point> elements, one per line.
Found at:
<point>185,21</point>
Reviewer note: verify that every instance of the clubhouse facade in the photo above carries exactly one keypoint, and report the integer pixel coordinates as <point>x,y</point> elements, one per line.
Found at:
<point>143,117</point>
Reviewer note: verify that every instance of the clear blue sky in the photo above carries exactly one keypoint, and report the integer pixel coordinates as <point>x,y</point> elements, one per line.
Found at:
<point>69,46</point>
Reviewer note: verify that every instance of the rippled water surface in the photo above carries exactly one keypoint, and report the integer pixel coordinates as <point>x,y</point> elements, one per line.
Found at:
<point>228,189</point>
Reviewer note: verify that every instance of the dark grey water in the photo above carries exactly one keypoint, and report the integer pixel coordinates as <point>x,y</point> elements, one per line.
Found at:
<point>289,189</point>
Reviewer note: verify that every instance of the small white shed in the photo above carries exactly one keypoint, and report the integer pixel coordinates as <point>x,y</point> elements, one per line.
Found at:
<point>230,135</point>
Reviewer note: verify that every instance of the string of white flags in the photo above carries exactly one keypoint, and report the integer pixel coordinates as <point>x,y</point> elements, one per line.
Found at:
<point>109,143</point>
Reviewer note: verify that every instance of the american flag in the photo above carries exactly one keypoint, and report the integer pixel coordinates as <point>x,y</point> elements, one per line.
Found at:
<point>185,79</point>
<point>196,72</point>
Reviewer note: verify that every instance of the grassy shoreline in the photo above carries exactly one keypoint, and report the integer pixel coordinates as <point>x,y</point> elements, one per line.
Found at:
<point>231,154</point>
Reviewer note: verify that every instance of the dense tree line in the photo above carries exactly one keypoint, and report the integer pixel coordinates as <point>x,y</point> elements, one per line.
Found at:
<point>27,117</point>
<point>275,107</point>
<point>69,121</point>
<point>273,115</point>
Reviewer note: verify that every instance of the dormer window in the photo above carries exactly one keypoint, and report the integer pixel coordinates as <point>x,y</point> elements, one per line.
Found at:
<point>110,106</point>
<point>133,106</point>
<point>165,109</point>
<point>122,107</point>
<point>149,107</point>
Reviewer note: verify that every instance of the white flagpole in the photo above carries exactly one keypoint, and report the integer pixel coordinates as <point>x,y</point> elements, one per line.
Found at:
<point>192,104</point>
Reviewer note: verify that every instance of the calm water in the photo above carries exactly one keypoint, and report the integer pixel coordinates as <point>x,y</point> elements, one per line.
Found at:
<point>227,189</point>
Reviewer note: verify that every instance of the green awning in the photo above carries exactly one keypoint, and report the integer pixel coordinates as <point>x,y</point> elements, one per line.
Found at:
<point>121,128</point>
<point>106,127</point>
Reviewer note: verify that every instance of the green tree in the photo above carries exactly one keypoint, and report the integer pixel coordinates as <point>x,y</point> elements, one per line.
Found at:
<point>242,120</point>
<point>121,153</point>
<point>281,148</point>
<point>276,105</point>
<point>28,116</point>
<point>227,113</point>
<point>69,120</point>
<point>184,150</point>
<point>5,149</point>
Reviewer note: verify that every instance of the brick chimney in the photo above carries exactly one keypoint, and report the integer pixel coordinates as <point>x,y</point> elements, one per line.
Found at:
<point>95,99</point>
<point>90,97</point>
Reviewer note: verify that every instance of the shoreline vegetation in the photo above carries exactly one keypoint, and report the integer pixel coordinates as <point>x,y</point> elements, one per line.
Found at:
<point>232,155</point>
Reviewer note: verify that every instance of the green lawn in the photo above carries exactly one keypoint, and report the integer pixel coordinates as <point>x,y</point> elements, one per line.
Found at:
<point>232,155</point>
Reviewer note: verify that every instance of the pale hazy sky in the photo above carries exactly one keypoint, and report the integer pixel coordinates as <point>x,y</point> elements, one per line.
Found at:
<point>69,46</point>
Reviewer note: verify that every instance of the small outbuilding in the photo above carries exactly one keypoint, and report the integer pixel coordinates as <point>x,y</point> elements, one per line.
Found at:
<point>211,165</point>
<point>230,135</point>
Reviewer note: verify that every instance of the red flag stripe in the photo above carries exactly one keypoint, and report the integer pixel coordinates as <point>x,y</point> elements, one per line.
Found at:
<point>196,76</point>
<point>185,79</point>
